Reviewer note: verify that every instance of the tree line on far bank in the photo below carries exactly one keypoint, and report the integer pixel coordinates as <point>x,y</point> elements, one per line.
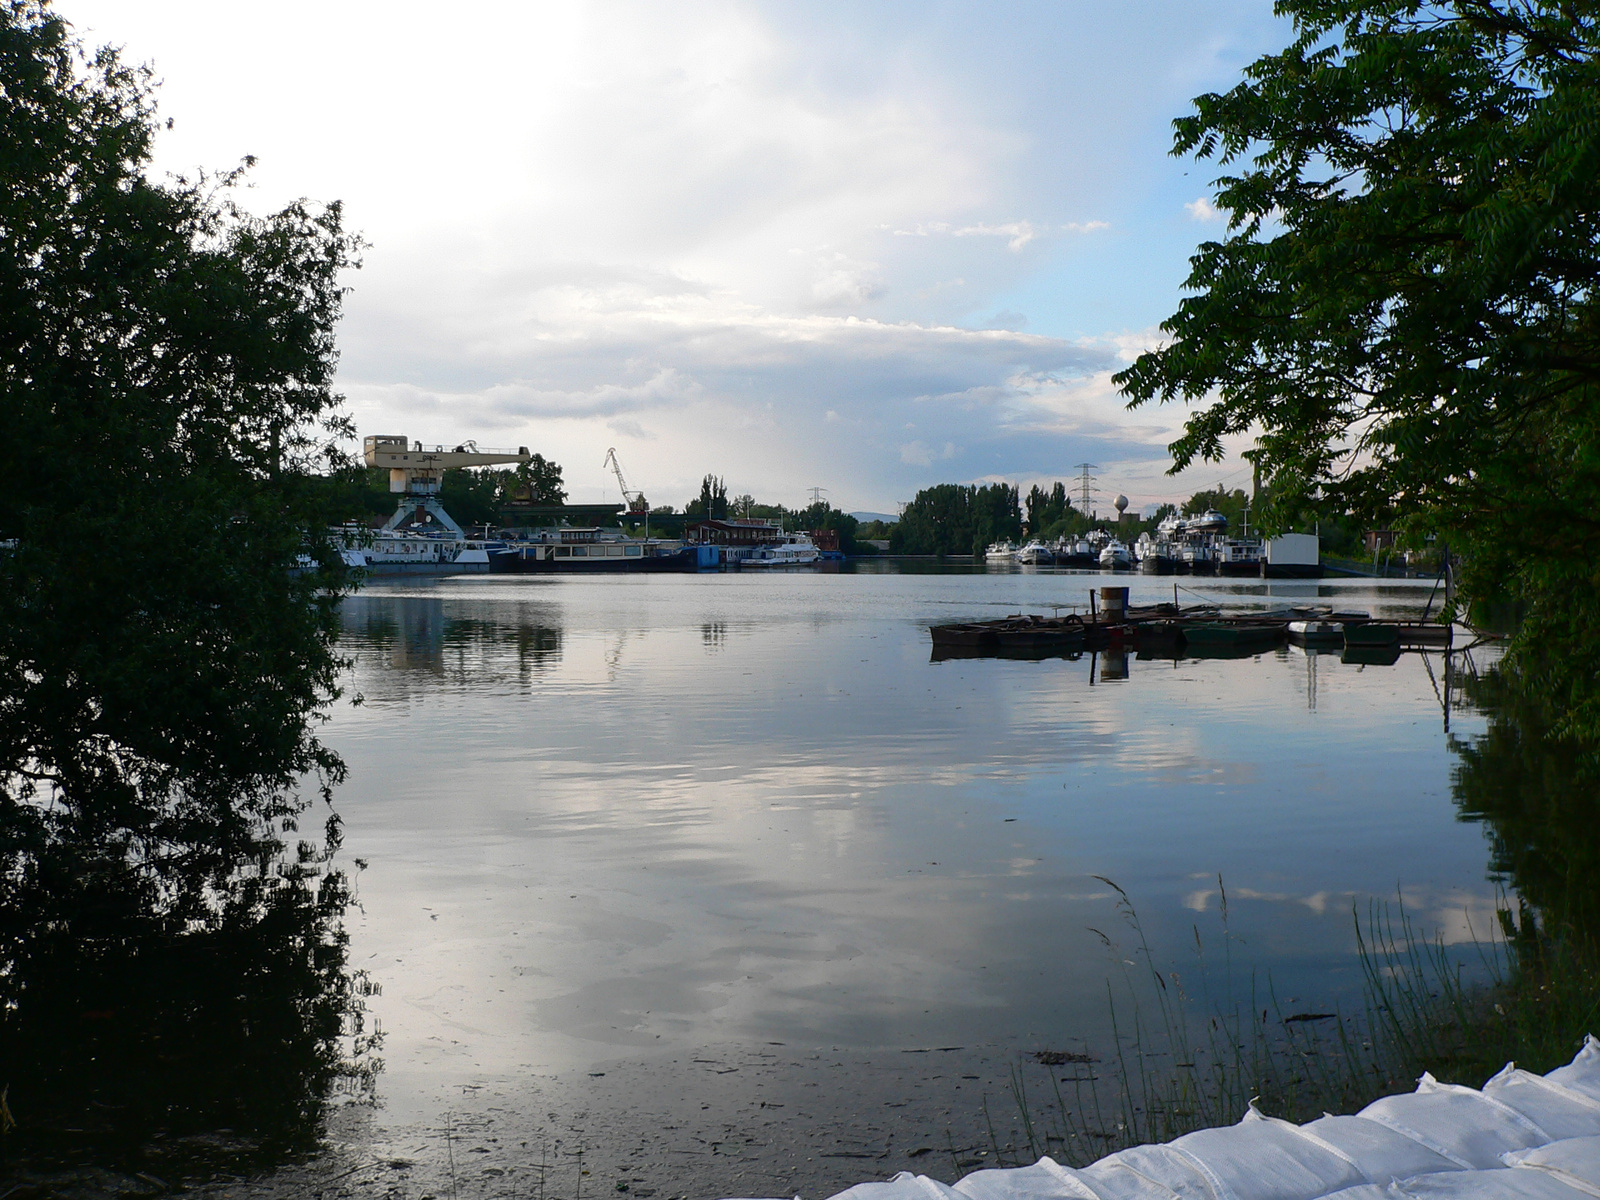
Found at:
<point>959,519</point>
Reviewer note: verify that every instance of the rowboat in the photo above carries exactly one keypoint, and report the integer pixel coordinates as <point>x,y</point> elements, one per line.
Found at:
<point>1221,634</point>
<point>1372,633</point>
<point>963,634</point>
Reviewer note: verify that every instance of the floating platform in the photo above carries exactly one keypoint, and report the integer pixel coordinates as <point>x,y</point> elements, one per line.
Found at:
<point>1167,631</point>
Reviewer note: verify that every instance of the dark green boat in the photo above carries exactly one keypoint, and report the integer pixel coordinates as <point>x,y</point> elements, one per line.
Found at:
<point>1372,633</point>
<point>1225,636</point>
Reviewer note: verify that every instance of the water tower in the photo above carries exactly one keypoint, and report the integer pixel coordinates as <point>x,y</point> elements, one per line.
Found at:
<point>1121,503</point>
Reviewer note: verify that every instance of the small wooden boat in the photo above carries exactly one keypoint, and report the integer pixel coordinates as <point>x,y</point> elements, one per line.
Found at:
<point>1207,634</point>
<point>1372,633</point>
<point>1037,638</point>
<point>1316,633</point>
<point>968,634</point>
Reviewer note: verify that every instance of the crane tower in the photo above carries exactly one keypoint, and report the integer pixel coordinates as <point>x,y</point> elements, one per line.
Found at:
<point>417,471</point>
<point>634,501</point>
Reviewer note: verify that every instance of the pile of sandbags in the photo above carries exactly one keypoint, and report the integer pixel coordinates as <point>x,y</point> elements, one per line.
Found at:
<point>1522,1136</point>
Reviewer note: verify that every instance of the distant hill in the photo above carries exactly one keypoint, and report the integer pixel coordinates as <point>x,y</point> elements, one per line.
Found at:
<point>886,518</point>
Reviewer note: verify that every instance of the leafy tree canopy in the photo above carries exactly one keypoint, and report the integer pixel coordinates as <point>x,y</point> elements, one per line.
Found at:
<point>1402,312</point>
<point>712,503</point>
<point>166,368</point>
<point>954,519</point>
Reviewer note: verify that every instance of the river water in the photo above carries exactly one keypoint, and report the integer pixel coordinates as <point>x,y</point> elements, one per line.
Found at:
<point>721,882</point>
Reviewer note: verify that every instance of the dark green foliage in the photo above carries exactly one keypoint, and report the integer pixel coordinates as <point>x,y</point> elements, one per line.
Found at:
<point>1046,509</point>
<point>1403,310</point>
<point>955,519</point>
<point>1229,504</point>
<point>166,364</point>
<point>712,503</point>
<point>472,495</point>
<point>823,515</point>
<point>1538,796</point>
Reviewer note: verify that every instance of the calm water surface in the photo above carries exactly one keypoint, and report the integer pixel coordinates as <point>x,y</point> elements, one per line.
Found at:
<point>668,847</point>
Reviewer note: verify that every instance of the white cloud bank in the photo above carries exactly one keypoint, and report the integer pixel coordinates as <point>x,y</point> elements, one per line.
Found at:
<point>715,235</point>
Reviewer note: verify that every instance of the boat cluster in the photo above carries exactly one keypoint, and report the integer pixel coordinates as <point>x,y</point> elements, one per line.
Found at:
<point>1203,631</point>
<point>1197,545</point>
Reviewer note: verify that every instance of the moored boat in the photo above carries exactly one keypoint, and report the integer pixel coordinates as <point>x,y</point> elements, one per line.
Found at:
<point>1114,556</point>
<point>1229,635</point>
<point>1317,633</point>
<point>1000,552</point>
<point>1372,633</point>
<point>795,550</point>
<point>969,634</point>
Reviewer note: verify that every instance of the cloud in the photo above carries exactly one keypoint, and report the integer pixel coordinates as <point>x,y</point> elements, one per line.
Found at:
<point>1202,209</point>
<point>920,454</point>
<point>698,230</point>
<point>1017,233</point>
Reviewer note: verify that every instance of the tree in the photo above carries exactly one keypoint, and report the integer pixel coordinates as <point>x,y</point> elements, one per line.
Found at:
<point>952,519</point>
<point>480,495</point>
<point>170,600</point>
<point>1403,310</point>
<point>1046,508</point>
<point>712,502</point>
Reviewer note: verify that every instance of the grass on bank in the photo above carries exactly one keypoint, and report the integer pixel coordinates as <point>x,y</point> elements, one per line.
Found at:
<point>1180,1063</point>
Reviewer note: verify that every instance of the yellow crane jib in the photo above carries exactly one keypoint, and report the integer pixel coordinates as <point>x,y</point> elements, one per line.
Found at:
<point>416,472</point>
<point>418,469</point>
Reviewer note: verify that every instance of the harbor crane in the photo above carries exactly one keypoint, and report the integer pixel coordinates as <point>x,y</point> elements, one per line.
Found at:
<point>634,501</point>
<point>416,473</point>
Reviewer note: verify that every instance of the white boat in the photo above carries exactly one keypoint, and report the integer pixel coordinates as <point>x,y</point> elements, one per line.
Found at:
<point>400,552</point>
<point>1001,552</point>
<point>1114,556</point>
<point>1036,554</point>
<point>1315,633</point>
<point>796,550</point>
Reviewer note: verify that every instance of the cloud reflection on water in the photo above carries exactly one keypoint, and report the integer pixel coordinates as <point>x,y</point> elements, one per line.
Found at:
<point>722,809</point>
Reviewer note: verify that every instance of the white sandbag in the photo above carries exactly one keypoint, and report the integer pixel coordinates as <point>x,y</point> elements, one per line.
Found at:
<point>1146,1171</point>
<point>1262,1158</point>
<point>1461,1123</point>
<point>1574,1161</point>
<point>1582,1074</point>
<point>1485,1185</point>
<point>904,1186</point>
<point>1560,1111</point>
<point>1381,1154</point>
<point>1045,1180</point>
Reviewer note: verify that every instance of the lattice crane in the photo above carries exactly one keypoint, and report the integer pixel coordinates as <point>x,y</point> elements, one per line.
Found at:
<point>634,501</point>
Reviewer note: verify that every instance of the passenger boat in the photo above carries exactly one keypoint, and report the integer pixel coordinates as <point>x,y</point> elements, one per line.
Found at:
<point>585,552</point>
<point>1317,633</point>
<point>1000,552</point>
<point>795,550</point>
<point>401,552</point>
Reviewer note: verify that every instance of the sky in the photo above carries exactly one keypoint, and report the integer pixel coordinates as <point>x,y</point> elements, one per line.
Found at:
<point>866,247</point>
